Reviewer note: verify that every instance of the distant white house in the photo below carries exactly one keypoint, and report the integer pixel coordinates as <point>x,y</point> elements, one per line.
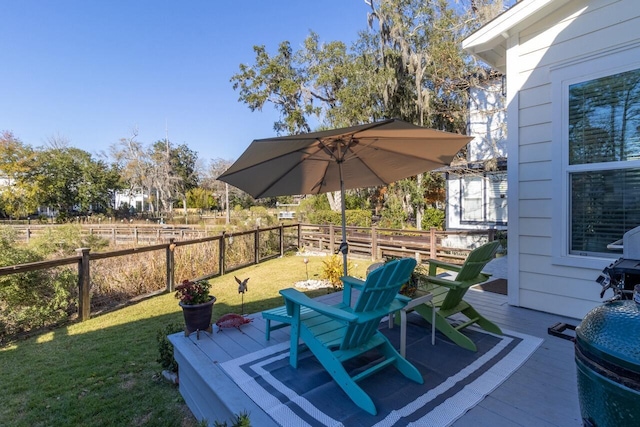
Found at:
<point>135,198</point>
<point>477,197</point>
<point>573,137</point>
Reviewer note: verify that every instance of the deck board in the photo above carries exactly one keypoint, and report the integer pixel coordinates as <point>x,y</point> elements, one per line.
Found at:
<point>543,392</point>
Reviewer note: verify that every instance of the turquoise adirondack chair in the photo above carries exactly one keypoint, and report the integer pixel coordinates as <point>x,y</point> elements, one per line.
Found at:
<point>335,334</point>
<point>448,289</point>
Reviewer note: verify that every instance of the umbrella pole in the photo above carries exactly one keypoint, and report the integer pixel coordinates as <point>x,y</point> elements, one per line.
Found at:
<point>343,246</point>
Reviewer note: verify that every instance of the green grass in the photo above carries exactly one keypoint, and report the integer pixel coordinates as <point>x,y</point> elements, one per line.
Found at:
<point>103,372</point>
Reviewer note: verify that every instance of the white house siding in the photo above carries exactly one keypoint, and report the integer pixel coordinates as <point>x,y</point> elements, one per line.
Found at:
<point>487,123</point>
<point>541,276</point>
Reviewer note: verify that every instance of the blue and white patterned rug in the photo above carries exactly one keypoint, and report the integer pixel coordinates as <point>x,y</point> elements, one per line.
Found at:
<point>455,380</point>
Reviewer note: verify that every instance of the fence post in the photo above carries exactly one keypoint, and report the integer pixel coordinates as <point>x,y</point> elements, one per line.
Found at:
<point>374,243</point>
<point>113,236</point>
<point>28,234</point>
<point>221,252</point>
<point>299,236</point>
<point>84,284</point>
<point>491,235</point>
<point>170,265</point>
<point>432,243</point>
<point>135,235</point>
<point>256,245</point>
<point>281,240</point>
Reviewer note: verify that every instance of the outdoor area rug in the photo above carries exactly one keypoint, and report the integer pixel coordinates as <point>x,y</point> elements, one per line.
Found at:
<point>455,380</point>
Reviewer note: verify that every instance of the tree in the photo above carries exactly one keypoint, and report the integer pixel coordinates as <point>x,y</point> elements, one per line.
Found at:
<point>68,178</point>
<point>408,64</point>
<point>201,198</point>
<point>135,165</point>
<point>15,158</point>
<point>174,171</point>
<point>183,164</point>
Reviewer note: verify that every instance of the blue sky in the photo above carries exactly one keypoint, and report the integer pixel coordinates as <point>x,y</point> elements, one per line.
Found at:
<point>90,71</point>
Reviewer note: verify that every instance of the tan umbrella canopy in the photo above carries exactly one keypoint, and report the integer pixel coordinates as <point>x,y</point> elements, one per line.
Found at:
<point>368,155</point>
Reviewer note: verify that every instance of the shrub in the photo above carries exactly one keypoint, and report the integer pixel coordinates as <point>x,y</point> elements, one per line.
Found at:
<point>239,420</point>
<point>357,218</point>
<point>433,217</point>
<point>36,298</point>
<point>332,270</point>
<point>63,241</point>
<point>165,348</point>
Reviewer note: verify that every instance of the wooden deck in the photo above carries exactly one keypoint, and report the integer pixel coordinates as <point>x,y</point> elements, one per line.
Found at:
<point>543,392</point>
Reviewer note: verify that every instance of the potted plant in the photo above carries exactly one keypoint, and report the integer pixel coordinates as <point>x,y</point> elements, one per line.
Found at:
<point>197,305</point>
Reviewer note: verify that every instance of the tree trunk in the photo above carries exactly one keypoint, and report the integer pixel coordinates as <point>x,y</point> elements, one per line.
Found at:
<point>335,201</point>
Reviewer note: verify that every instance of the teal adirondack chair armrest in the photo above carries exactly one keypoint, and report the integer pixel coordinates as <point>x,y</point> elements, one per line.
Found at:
<point>352,281</point>
<point>349,283</point>
<point>293,297</point>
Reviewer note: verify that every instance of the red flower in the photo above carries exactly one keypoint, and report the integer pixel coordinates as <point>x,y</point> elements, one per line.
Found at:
<point>193,292</point>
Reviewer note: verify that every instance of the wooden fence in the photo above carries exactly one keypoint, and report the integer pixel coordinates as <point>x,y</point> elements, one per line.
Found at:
<point>373,243</point>
<point>123,234</point>
<point>378,243</point>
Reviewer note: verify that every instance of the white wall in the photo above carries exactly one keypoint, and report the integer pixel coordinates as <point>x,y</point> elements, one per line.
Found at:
<point>580,38</point>
<point>487,122</point>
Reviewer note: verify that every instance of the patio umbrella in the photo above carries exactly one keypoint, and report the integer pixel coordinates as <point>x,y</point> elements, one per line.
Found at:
<point>367,155</point>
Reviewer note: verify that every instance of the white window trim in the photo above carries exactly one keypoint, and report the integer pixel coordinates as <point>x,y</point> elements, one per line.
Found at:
<point>485,199</point>
<point>562,76</point>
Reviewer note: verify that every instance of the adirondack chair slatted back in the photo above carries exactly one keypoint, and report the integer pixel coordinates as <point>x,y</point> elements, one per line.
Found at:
<point>470,272</point>
<point>379,291</point>
<point>477,260</point>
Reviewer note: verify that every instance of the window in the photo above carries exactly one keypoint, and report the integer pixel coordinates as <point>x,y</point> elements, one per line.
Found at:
<point>484,198</point>
<point>603,161</point>
<point>472,199</point>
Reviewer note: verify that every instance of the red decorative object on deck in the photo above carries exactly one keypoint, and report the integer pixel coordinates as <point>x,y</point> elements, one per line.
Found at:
<point>232,320</point>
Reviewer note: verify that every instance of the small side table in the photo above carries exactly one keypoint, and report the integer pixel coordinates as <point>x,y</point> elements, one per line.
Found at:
<point>427,298</point>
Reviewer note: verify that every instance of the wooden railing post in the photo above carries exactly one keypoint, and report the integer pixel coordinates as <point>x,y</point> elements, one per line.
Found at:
<point>374,243</point>
<point>28,234</point>
<point>170,265</point>
<point>491,235</point>
<point>281,240</point>
<point>113,236</point>
<point>221,251</point>
<point>256,245</point>
<point>135,235</point>
<point>84,284</point>
<point>299,236</point>
<point>433,250</point>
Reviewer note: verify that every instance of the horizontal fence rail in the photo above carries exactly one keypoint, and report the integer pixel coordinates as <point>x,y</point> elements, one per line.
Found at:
<point>379,243</point>
<point>236,250</point>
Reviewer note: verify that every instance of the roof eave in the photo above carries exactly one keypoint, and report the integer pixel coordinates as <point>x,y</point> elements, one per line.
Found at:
<point>489,42</point>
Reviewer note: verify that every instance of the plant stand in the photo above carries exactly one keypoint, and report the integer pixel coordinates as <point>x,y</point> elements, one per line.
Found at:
<point>197,317</point>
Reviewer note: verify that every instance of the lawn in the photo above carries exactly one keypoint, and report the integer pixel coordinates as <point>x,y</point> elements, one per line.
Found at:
<point>104,371</point>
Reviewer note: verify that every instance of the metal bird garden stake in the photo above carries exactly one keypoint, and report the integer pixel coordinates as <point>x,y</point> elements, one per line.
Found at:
<point>242,288</point>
